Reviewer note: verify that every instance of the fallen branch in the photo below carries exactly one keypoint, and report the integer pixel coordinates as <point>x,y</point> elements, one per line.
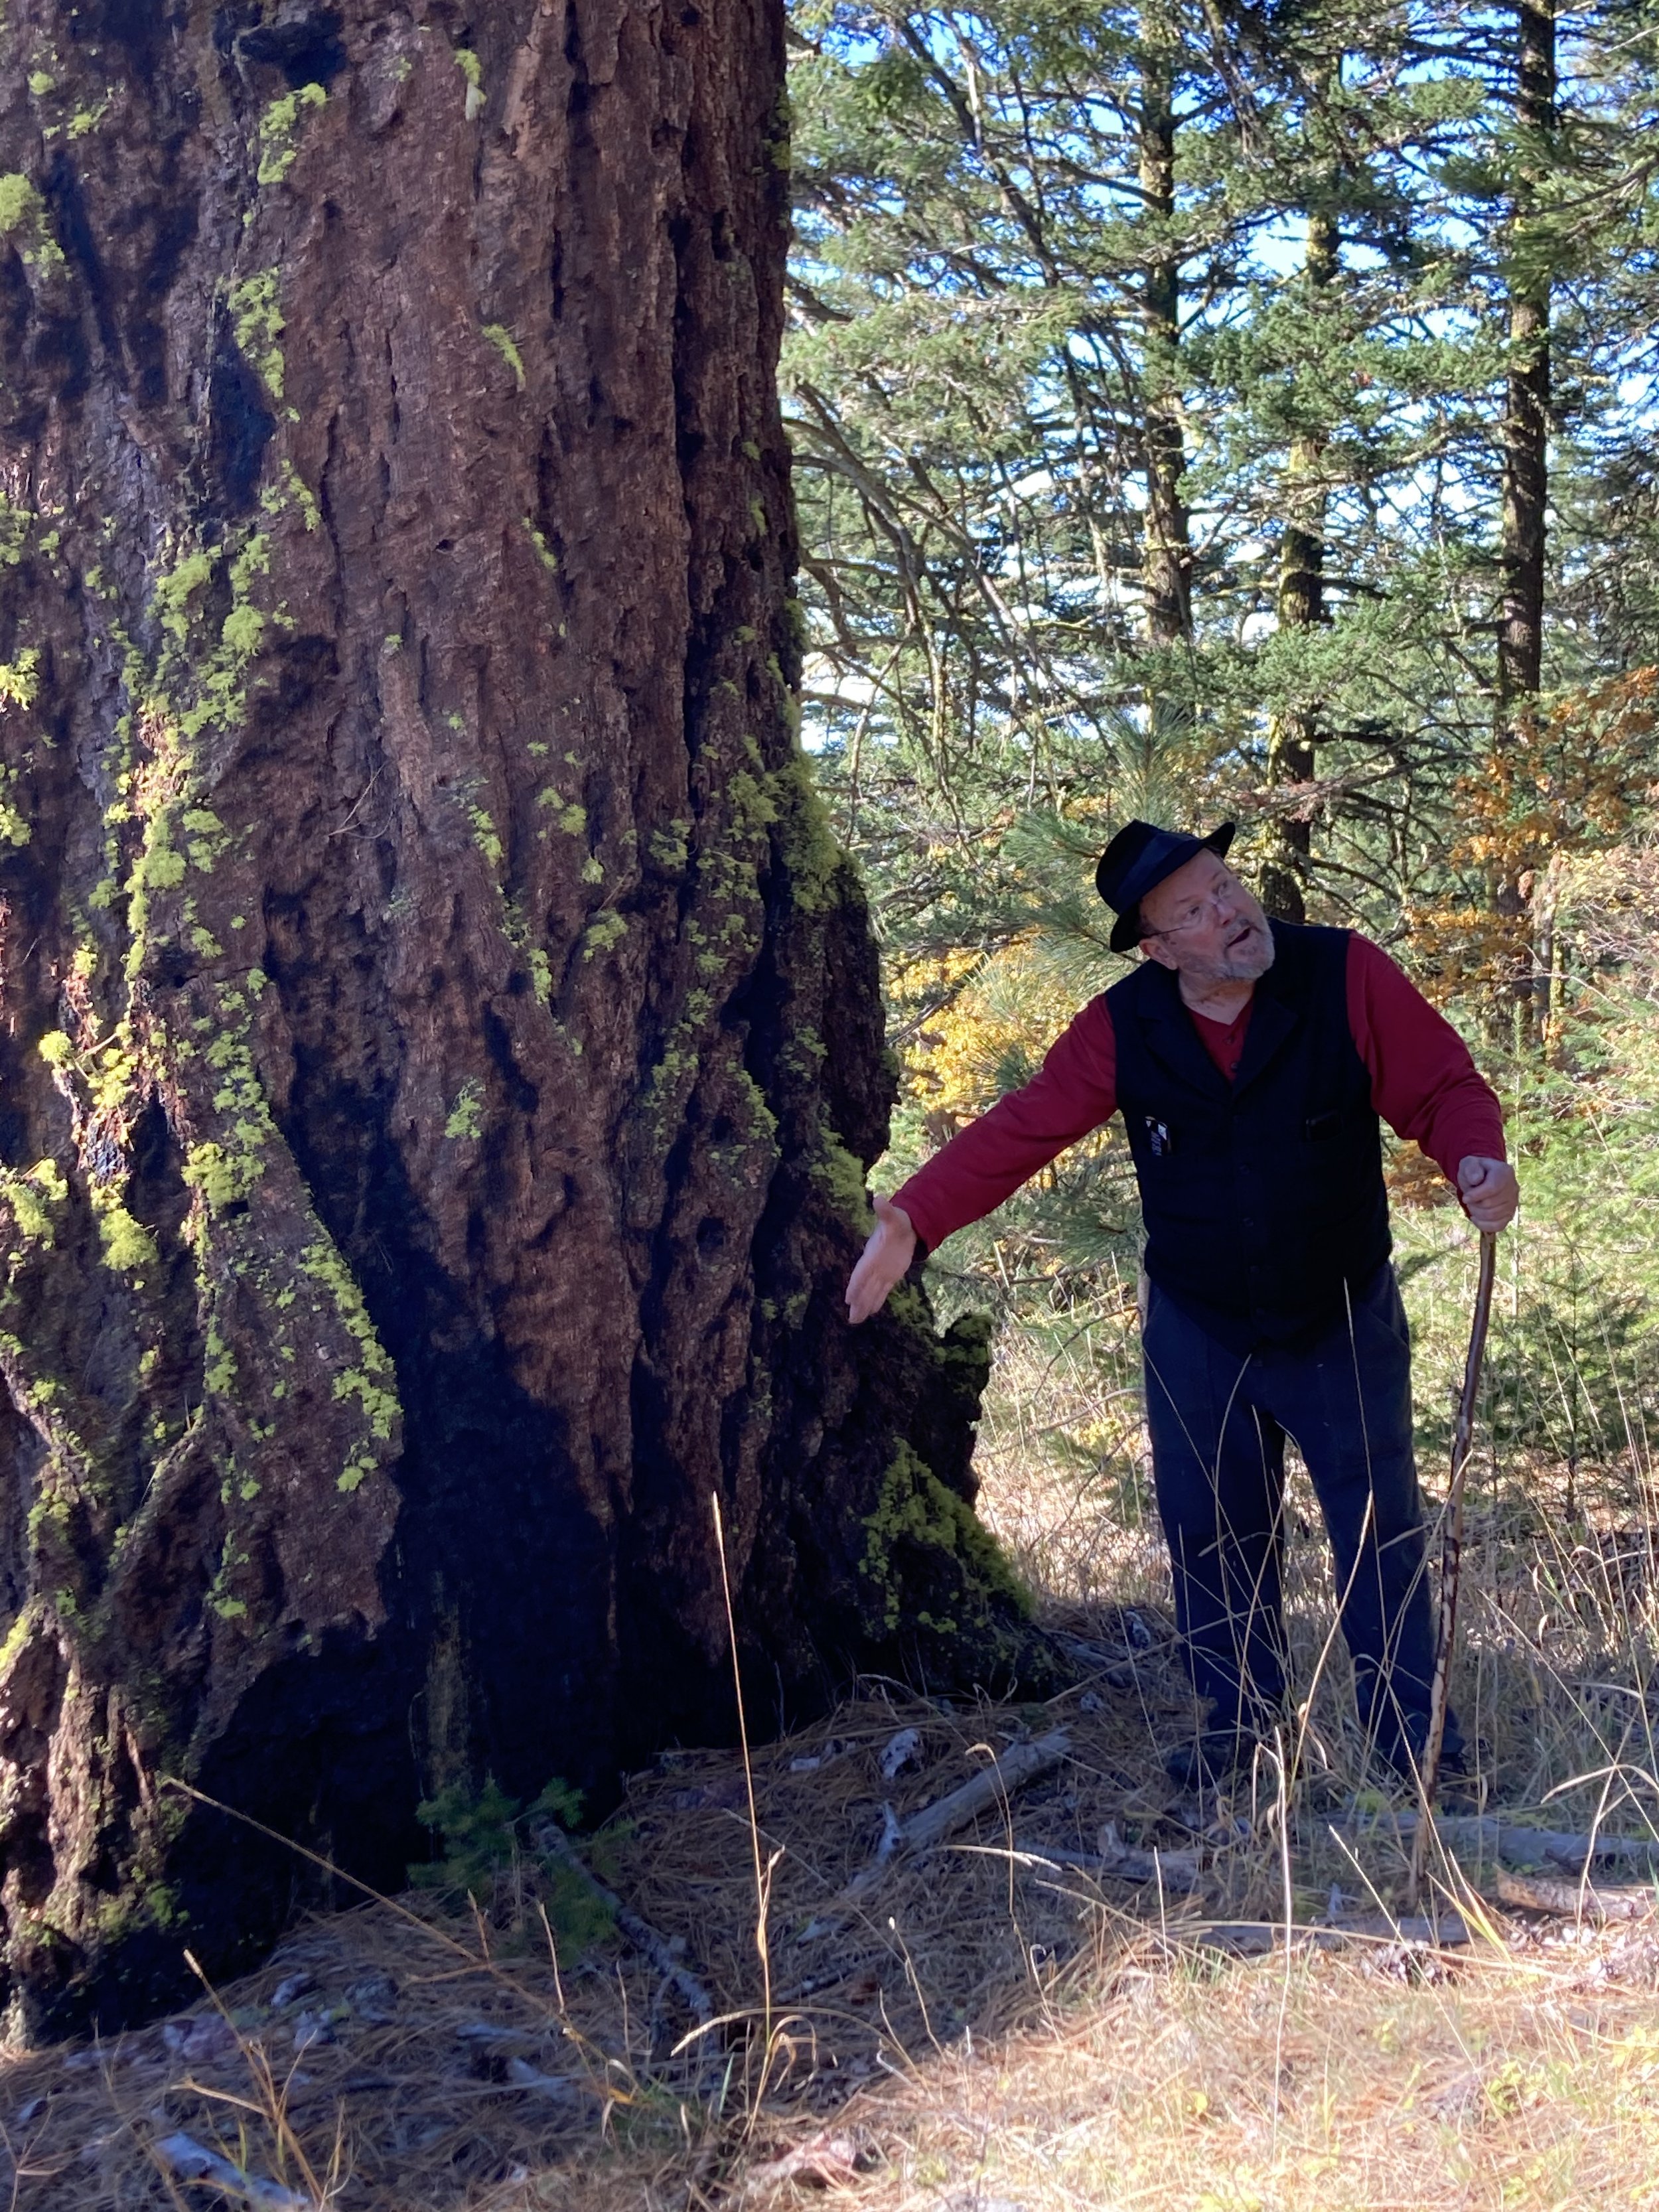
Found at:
<point>924,1830</point>
<point>1116,1861</point>
<point>189,2161</point>
<point>1492,1838</point>
<point>828,2161</point>
<point>1256,1938</point>
<point>1573,1900</point>
<point>552,1842</point>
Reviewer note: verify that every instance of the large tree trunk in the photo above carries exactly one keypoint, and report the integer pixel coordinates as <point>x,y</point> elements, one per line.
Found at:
<point>441,1044</point>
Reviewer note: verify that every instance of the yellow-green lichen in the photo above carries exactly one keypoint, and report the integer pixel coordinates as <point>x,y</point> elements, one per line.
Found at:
<point>505,344</point>
<point>23,215</point>
<point>371,1380</point>
<point>257,320</point>
<point>668,847</point>
<point>805,840</point>
<point>914,1508</point>
<point>570,816</point>
<point>840,1177</point>
<point>31,1193</point>
<point>291,489</point>
<point>86,119</point>
<point>20,679</point>
<point>466,1121</point>
<point>485,835</point>
<point>472,69</point>
<point>219,1175</point>
<point>15,523</point>
<point>607,928</point>
<point>277,151</point>
<point>127,1246</point>
<point>14,825</point>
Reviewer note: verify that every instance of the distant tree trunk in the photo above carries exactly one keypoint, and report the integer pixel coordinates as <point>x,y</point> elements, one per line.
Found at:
<point>1166,557</point>
<point>441,1045</point>
<point>1526,463</point>
<point>1300,605</point>
<point>1527,392</point>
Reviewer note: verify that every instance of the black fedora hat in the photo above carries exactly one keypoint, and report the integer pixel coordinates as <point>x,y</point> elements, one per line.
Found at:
<point>1140,857</point>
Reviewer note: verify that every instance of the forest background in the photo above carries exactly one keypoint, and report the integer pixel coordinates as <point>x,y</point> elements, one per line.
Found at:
<point>1210,411</point>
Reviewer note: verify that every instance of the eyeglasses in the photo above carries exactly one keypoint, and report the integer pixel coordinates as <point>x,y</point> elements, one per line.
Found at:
<point>1217,903</point>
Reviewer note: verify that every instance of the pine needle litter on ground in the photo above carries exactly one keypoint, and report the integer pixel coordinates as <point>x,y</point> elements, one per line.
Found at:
<point>1043,2009</point>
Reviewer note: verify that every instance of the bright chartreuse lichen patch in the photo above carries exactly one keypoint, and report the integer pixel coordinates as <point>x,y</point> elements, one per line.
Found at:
<point>23,217</point>
<point>505,344</point>
<point>20,679</point>
<point>472,69</point>
<point>466,1121</point>
<point>224,1169</point>
<point>608,927</point>
<point>30,1196</point>
<point>257,320</point>
<point>126,1245</point>
<point>568,813</point>
<point>277,128</point>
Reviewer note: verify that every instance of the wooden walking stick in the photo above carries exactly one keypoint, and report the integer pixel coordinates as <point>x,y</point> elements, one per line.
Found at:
<point>1451,1561</point>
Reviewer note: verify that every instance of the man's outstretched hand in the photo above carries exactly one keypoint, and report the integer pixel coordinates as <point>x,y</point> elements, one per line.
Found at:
<point>1489,1191</point>
<point>885,1261</point>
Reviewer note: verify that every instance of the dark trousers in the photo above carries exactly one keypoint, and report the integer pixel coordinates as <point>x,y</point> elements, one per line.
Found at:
<point>1218,1420</point>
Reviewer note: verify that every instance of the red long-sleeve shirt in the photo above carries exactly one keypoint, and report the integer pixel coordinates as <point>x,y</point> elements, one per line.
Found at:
<point>1424,1084</point>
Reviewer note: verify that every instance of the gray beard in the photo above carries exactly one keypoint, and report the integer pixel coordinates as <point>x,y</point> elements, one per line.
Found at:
<point>1247,965</point>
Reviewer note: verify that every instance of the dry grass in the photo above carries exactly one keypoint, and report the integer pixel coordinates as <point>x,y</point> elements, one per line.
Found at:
<point>979,2032</point>
<point>1235,2090</point>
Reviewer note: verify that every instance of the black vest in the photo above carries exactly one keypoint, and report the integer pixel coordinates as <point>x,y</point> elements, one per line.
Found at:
<point>1264,1196</point>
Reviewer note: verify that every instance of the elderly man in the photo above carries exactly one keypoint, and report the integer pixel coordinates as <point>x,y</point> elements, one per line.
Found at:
<point>1250,1061</point>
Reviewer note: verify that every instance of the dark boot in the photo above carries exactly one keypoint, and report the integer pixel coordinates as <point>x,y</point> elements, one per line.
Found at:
<point>1211,1760</point>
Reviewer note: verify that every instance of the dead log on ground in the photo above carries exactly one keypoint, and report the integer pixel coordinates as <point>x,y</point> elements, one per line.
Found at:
<point>1493,1837</point>
<point>1573,1900</point>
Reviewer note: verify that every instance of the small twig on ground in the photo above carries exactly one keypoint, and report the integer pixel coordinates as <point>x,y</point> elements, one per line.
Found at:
<point>552,1842</point>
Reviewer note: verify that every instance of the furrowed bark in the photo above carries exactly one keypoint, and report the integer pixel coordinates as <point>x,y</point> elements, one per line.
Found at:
<point>441,1043</point>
